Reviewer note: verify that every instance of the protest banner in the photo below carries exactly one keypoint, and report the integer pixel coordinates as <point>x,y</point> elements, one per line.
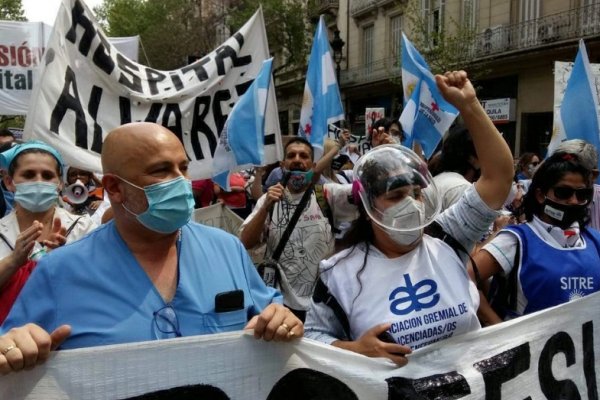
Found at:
<point>546,355</point>
<point>22,47</point>
<point>218,216</point>
<point>87,88</point>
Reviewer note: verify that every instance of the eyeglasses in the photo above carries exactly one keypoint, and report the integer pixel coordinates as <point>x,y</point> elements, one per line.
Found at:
<point>583,195</point>
<point>165,321</point>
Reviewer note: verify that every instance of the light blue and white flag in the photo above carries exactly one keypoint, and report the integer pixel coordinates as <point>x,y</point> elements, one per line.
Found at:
<point>579,116</point>
<point>241,143</point>
<point>426,115</point>
<point>321,104</point>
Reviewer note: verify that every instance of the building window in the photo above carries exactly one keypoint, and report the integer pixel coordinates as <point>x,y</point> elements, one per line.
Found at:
<point>528,10</point>
<point>396,36</point>
<point>433,12</point>
<point>368,43</point>
<point>469,14</point>
<point>590,16</point>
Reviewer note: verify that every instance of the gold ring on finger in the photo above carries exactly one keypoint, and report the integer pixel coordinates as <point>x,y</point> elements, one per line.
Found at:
<point>8,349</point>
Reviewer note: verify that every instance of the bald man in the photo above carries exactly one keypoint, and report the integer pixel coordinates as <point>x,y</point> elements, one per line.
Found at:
<point>149,274</point>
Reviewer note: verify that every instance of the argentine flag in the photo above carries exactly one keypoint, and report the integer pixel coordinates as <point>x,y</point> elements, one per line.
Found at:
<point>241,143</point>
<point>426,115</point>
<point>579,111</point>
<point>321,104</point>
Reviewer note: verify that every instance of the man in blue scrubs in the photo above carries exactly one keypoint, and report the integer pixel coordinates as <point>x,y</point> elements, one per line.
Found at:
<point>149,274</point>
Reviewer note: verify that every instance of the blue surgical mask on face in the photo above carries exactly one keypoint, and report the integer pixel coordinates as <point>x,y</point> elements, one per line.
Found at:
<point>170,205</point>
<point>299,179</point>
<point>36,196</point>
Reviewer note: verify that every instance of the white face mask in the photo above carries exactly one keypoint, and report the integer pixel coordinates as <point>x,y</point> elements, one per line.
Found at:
<point>405,214</point>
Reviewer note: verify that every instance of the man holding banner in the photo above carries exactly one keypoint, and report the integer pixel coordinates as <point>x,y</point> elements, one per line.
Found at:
<point>149,275</point>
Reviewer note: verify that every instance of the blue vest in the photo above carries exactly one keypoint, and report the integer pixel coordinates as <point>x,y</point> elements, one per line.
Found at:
<point>550,276</point>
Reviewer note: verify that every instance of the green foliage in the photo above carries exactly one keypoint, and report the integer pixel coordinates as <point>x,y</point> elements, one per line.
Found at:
<point>12,10</point>
<point>286,26</point>
<point>448,49</point>
<point>170,31</point>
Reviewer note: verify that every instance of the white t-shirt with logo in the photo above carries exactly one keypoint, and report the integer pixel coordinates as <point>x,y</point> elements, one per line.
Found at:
<point>425,294</point>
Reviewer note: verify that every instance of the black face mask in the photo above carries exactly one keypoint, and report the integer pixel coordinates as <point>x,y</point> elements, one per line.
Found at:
<point>565,214</point>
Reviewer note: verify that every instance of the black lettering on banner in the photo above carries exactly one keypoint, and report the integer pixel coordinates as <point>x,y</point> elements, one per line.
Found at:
<point>589,363</point>
<point>154,112</point>
<point>125,109</point>
<point>128,67</point>
<point>220,118</point>
<point>184,392</point>
<point>94,104</point>
<point>198,125</point>
<point>503,367</point>
<point>198,68</point>
<point>226,51</point>
<point>451,385</point>
<point>78,18</point>
<point>241,88</point>
<point>566,389</point>
<point>154,77</point>
<point>176,80</point>
<point>173,109</point>
<point>66,102</point>
<point>308,384</point>
<point>102,57</point>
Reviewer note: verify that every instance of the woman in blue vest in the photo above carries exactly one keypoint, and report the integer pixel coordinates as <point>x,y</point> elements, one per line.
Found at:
<point>552,258</point>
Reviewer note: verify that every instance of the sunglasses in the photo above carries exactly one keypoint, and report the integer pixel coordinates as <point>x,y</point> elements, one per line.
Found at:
<point>565,193</point>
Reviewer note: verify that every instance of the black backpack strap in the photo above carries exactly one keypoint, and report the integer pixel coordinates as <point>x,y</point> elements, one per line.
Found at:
<point>435,230</point>
<point>324,206</point>
<point>503,290</point>
<point>322,295</point>
<point>511,296</point>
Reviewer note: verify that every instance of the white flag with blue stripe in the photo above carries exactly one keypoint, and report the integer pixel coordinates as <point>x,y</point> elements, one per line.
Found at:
<point>241,143</point>
<point>321,104</point>
<point>426,115</point>
<point>579,116</point>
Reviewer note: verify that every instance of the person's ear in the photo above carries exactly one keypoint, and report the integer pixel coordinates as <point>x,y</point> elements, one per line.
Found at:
<point>113,187</point>
<point>539,196</point>
<point>9,183</point>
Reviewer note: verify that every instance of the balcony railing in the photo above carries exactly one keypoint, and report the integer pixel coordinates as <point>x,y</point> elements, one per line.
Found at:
<point>538,33</point>
<point>361,6</point>
<point>375,71</point>
<point>568,25</point>
<point>318,7</point>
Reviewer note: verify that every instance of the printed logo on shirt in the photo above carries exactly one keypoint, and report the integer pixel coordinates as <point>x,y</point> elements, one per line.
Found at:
<point>412,298</point>
<point>577,286</point>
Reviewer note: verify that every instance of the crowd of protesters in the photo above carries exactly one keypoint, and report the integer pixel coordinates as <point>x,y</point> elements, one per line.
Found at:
<point>345,242</point>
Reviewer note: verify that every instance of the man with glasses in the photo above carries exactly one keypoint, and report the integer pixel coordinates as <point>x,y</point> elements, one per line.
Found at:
<point>149,274</point>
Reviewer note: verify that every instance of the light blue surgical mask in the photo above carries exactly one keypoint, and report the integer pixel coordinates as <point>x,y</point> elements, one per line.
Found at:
<point>36,196</point>
<point>170,205</point>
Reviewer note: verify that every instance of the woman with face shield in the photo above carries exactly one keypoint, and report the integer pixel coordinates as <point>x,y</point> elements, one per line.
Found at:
<point>395,288</point>
<point>36,225</point>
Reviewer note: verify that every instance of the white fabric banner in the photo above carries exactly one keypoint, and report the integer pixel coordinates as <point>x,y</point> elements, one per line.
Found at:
<point>87,88</point>
<point>219,216</point>
<point>21,49</point>
<point>22,46</point>
<point>547,355</point>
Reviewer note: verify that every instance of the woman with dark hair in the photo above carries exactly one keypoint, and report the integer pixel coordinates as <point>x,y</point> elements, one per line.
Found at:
<point>526,166</point>
<point>552,258</point>
<point>457,166</point>
<point>395,287</point>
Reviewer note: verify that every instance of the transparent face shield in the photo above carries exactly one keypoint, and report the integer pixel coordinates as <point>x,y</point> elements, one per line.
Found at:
<point>396,188</point>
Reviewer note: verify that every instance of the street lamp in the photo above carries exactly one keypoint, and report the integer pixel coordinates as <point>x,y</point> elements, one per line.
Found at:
<point>337,44</point>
